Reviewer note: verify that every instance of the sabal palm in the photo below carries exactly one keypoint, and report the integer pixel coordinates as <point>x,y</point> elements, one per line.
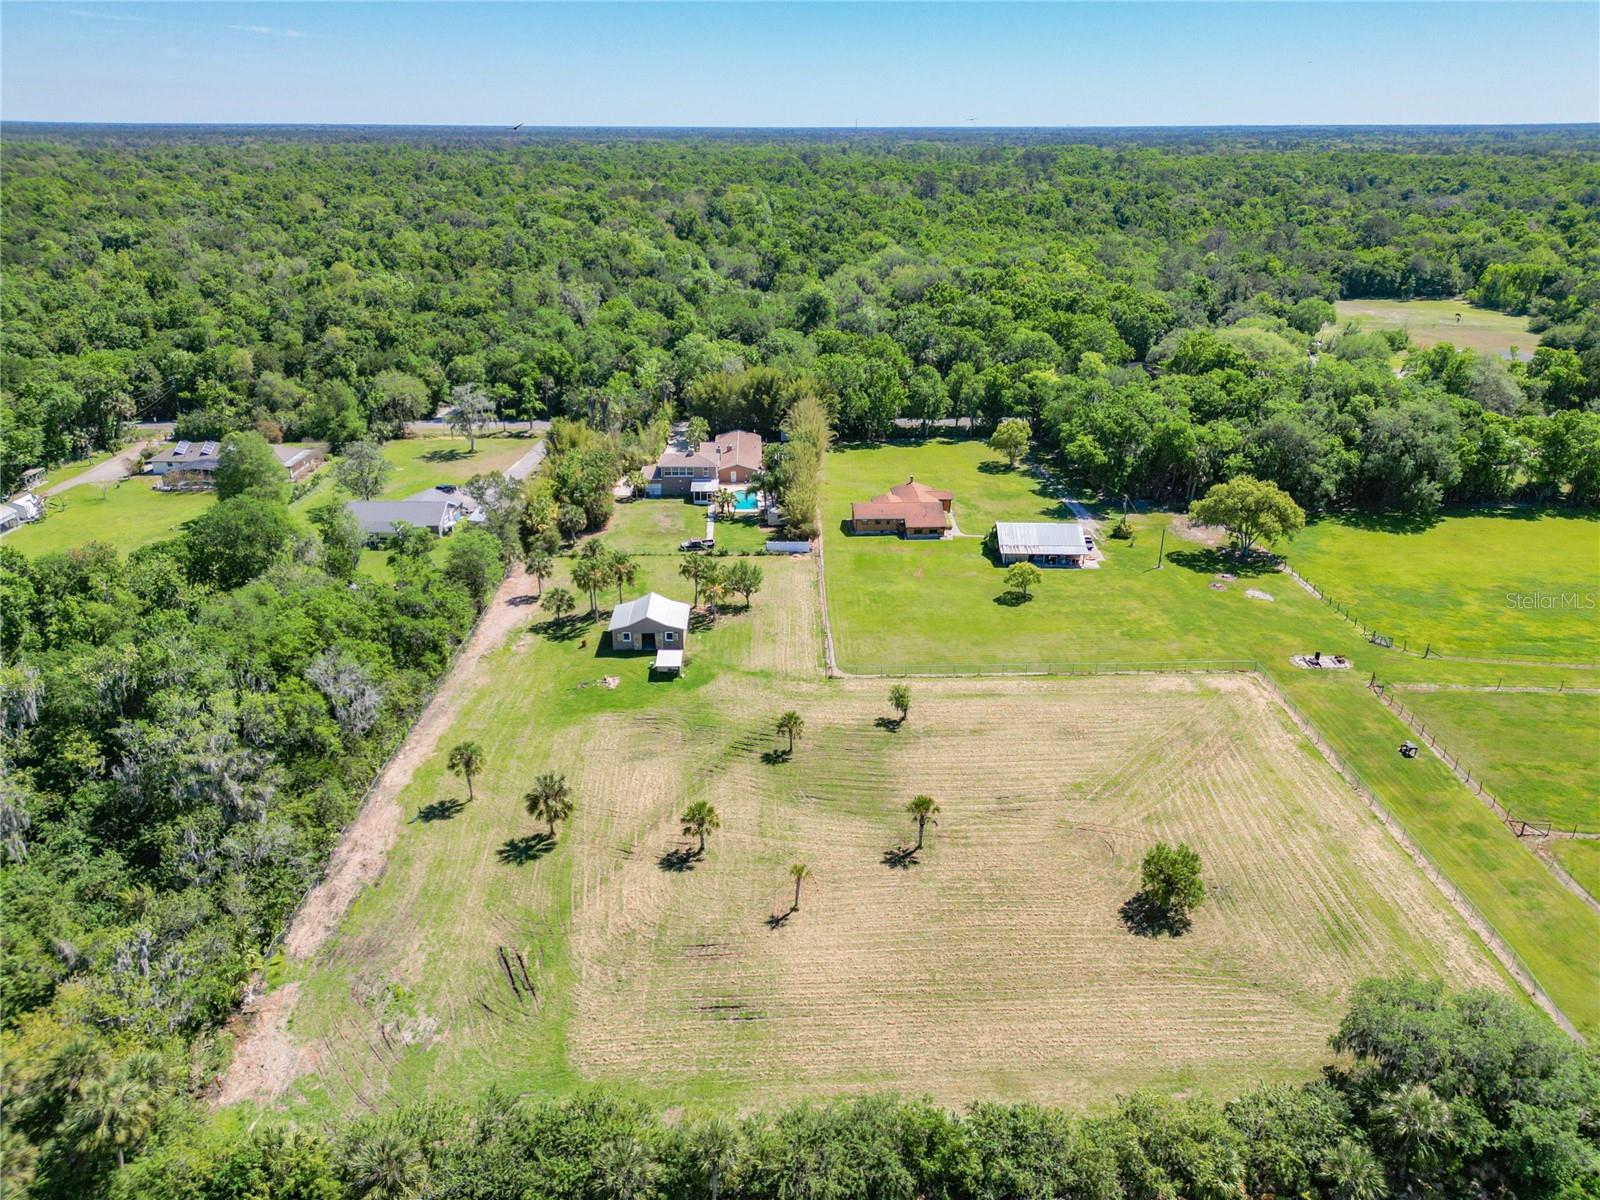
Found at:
<point>623,571</point>
<point>692,568</point>
<point>1354,1172</point>
<point>793,724</point>
<point>715,1146</point>
<point>590,574</point>
<point>700,819</point>
<point>923,809</point>
<point>628,1171</point>
<point>540,563</point>
<point>113,1114</point>
<point>1416,1122</point>
<point>466,760</point>
<point>799,873</point>
<point>549,800</point>
<point>385,1164</point>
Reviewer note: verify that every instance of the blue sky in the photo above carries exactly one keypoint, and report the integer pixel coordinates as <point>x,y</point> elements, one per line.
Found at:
<point>802,64</point>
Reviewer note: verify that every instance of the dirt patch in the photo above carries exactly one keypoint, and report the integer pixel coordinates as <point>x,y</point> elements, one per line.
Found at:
<point>267,1058</point>
<point>1205,535</point>
<point>1258,594</point>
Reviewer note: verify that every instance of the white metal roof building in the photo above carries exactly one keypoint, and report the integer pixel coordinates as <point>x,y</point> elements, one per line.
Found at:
<point>652,622</point>
<point>378,518</point>
<point>1046,544</point>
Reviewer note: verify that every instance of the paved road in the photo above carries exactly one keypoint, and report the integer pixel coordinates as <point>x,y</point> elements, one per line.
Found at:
<point>113,469</point>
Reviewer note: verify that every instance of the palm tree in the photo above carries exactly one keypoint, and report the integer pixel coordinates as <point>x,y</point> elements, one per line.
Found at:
<point>723,503</point>
<point>900,700</point>
<point>793,724</point>
<point>700,819</point>
<point>628,1171</point>
<point>799,873</point>
<point>591,573</point>
<point>623,571</point>
<point>466,760</point>
<point>1417,1123</point>
<point>1354,1172</point>
<point>540,563</point>
<point>922,808</point>
<point>550,800</point>
<point>714,583</point>
<point>385,1164</point>
<point>693,568</point>
<point>115,1113</point>
<point>560,602</point>
<point>715,1145</point>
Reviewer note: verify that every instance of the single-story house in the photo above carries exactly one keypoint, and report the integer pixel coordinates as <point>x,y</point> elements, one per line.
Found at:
<point>911,510</point>
<point>199,459</point>
<point>378,518</point>
<point>186,458</point>
<point>467,509</point>
<point>1044,544</point>
<point>652,622</point>
<point>700,471</point>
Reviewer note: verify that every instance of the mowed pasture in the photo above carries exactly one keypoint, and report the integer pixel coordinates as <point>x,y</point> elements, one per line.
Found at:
<point>1429,322</point>
<point>997,964</point>
<point>900,606</point>
<point>1505,584</point>
<point>1539,752</point>
<point>658,527</point>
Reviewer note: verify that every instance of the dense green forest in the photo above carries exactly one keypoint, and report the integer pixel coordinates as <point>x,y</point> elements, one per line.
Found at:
<point>185,729</point>
<point>1147,304</point>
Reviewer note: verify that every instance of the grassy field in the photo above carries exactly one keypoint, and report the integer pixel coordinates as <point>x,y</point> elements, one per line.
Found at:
<point>423,462</point>
<point>1504,584</point>
<point>658,526</point>
<point>130,514</point>
<point>1539,753</point>
<point>1581,860</point>
<point>1430,322</point>
<point>920,606</point>
<point>996,965</point>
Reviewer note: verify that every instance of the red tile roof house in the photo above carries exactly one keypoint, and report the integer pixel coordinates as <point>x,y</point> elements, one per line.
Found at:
<point>912,510</point>
<point>700,471</point>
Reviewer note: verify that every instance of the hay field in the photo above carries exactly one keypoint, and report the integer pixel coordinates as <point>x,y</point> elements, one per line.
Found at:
<point>998,965</point>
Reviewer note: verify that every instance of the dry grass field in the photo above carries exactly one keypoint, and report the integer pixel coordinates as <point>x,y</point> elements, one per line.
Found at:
<point>996,964</point>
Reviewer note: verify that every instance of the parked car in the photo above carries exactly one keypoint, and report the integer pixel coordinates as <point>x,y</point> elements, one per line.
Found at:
<point>698,544</point>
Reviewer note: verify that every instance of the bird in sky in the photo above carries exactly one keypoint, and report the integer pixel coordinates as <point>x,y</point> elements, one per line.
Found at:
<point>518,126</point>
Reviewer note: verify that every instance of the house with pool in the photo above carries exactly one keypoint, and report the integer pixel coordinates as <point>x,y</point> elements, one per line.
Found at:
<point>726,463</point>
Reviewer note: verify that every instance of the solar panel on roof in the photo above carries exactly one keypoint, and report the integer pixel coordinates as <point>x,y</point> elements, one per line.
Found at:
<point>209,448</point>
<point>181,448</point>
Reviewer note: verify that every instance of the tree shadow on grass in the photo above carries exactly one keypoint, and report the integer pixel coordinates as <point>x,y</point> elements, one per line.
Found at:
<point>520,851</point>
<point>779,920</point>
<point>438,456</point>
<point>679,859</point>
<point>561,629</point>
<point>891,724</point>
<point>901,858</point>
<point>774,758</point>
<point>440,810</point>
<point>997,466</point>
<point>1213,562</point>
<point>1012,599</point>
<point>522,601</point>
<point>1146,918</point>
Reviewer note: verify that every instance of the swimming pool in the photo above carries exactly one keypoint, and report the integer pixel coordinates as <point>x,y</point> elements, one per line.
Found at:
<point>746,502</point>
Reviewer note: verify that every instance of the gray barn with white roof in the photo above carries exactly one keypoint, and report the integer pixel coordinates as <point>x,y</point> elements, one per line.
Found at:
<point>1043,543</point>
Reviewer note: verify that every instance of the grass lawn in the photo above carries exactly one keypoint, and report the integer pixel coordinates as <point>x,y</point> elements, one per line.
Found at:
<point>1539,753</point>
<point>130,514</point>
<point>1581,860</point>
<point>658,526</point>
<point>66,471</point>
<point>423,462</point>
<point>1430,322</point>
<point>1505,584</point>
<point>921,606</point>
<point>996,964</point>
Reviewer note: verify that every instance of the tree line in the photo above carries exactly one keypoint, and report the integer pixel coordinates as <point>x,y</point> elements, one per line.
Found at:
<point>1431,1093</point>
